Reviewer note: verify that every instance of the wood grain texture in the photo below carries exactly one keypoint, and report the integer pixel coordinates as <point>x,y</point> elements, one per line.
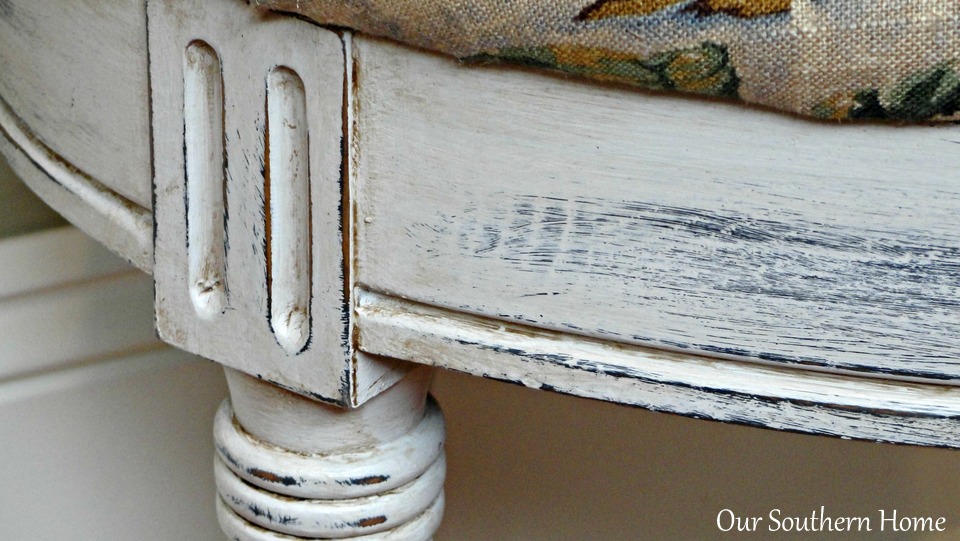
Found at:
<point>76,73</point>
<point>700,387</point>
<point>657,221</point>
<point>421,528</point>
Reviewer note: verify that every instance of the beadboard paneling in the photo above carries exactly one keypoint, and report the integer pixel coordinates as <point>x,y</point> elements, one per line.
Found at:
<point>64,299</point>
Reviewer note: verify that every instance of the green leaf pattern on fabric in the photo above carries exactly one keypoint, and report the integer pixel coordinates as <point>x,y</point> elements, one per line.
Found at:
<point>921,96</point>
<point>837,59</point>
<point>702,69</point>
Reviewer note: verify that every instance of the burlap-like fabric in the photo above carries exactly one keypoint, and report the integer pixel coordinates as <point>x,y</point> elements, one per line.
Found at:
<point>837,59</point>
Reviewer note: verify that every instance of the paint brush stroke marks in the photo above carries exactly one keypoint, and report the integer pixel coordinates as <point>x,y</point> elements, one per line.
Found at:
<point>830,59</point>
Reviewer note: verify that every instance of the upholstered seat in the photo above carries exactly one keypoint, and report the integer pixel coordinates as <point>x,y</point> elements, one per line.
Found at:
<point>330,214</point>
<point>833,59</point>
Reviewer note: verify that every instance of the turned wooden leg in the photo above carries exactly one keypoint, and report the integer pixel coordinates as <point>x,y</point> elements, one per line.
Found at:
<point>254,269</point>
<point>288,467</point>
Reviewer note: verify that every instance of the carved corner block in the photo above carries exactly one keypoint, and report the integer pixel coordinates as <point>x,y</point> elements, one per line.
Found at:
<point>248,193</point>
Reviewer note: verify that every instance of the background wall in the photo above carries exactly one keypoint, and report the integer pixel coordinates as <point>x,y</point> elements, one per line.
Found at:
<point>20,211</point>
<point>114,444</point>
<point>529,465</point>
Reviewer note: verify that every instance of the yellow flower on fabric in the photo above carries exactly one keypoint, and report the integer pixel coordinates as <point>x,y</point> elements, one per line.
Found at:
<point>604,9</point>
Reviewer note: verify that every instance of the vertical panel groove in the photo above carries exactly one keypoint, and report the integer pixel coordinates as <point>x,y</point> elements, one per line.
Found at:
<point>288,198</point>
<point>205,178</point>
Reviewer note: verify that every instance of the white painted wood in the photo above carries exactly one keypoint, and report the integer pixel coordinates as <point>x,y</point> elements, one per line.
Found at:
<point>678,224</point>
<point>293,422</point>
<point>123,226</point>
<point>76,74</point>
<point>633,223</point>
<point>331,518</point>
<point>249,245</point>
<point>288,209</point>
<point>204,172</point>
<point>374,374</point>
<point>365,471</point>
<point>51,283</point>
<point>371,374</point>
<point>742,392</point>
<point>289,464</point>
<point>420,528</point>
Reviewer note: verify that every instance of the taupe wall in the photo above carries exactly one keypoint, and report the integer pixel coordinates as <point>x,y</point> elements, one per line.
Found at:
<point>21,211</point>
<point>526,465</point>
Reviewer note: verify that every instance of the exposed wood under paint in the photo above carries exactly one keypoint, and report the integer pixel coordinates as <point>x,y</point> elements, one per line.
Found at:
<point>698,228</point>
<point>280,231</point>
<point>741,392</point>
<point>658,221</point>
<point>291,465</point>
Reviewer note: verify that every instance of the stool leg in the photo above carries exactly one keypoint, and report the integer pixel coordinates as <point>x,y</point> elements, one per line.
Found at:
<point>288,467</point>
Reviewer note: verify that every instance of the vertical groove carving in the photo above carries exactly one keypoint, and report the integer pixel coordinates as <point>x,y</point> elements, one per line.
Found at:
<point>288,217</point>
<point>205,178</point>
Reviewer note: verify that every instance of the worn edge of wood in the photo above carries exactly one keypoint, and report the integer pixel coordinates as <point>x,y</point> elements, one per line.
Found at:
<point>369,374</point>
<point>120,224</point>
<point>169,24</point>
<point>794,400</point>
<point>454,255</point>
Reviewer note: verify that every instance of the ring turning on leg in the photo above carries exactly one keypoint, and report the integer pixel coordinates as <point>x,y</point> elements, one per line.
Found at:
<point>375,472</point>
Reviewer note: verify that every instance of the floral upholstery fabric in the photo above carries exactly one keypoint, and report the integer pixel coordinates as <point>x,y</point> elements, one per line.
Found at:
<point>834,59</point>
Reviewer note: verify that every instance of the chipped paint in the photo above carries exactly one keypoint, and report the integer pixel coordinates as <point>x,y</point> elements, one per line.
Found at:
<point>783,398</point>
<point>368,480</point>
<point>368,522</point>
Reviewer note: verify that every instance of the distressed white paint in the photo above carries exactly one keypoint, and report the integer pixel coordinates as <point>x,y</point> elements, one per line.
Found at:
<point>288,209</point>
<point>365,471</point>
<point>640,220</point>
<point>296,466</point>
<point>76,74</point>
<point>421,527</point>
<point>22,211</point>
<point>122,226</point>
<point>372,374</point>
<point>290,421</point>
<point>331,518</point>
<point>776,397</point>
<point>74,114</point>
<point>281,315</point>
<point>660,221</point>
<point>206,185</point>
